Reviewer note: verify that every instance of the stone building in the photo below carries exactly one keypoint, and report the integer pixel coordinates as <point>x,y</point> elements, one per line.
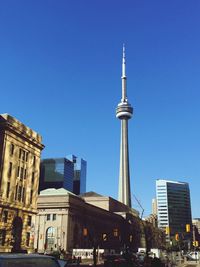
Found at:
<point>20,149</point>
<point>66,221</point>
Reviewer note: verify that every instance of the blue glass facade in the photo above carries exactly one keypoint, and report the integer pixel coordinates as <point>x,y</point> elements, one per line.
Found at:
<point>80,170</point>
<point>68,173</point>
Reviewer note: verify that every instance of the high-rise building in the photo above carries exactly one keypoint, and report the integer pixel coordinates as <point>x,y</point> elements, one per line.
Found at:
<point>154,206</point>
<point>174,208</point>
<point>124,112</point>
<point>79,178</point>
<point>68,173</point>
<point>196,222</point>
<point>20,149</point>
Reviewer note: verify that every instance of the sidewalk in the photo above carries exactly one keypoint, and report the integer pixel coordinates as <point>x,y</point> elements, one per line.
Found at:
<point>189,263</point>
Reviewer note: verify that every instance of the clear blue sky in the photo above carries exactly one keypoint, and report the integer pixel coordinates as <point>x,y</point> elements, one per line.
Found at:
<point>60,74</point>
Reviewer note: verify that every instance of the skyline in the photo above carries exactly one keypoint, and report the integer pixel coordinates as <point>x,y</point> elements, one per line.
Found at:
<point>60,73</point>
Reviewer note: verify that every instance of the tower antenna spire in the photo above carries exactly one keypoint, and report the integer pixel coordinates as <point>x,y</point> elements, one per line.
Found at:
<point>124,96</point>
<point>124,62</point>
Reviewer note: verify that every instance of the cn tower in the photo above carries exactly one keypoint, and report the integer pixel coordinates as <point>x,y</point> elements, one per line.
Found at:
<point>124,112</point>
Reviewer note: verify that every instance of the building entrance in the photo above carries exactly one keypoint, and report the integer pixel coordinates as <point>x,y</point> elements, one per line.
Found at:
<point>17,234</point>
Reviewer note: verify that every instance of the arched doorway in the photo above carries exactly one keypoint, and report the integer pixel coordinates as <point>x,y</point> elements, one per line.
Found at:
<point>50,238</point>
<point>17,234</point>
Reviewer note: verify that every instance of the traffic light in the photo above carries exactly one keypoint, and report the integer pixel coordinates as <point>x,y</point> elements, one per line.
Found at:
<point>187,228</point>
<point>195,243</point>
<point>167,230</point>
<point>85,231</point>
<point>177,237</point>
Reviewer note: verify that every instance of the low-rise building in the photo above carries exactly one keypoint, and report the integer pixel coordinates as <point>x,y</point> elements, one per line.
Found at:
<point>66,221</point>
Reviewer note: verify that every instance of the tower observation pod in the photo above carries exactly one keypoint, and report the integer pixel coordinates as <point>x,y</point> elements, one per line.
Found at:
<point>124,112</point>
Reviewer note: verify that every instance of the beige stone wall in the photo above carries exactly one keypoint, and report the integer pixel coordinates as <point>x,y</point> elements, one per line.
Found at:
<point>19,178</point>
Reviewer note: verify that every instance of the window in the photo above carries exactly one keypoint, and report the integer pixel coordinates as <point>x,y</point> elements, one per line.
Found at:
<point>12,149</point>
<point>27,239</point>
<point>33,177</point>
<point>48,217</point>
<point>21,173</point>
<point>50,238</point>
<point>16,189</point>
<point>31,196</point>
<point>23,154</point>
<point>5,216</point>
<point>19,193</point>
<point>34,160</point>
<point>54,217</point>
<point>24,173</point>
<point>115,232</point>
<point>20,153</point>
<point>8,190</point>
<point>18,171</point>
<point>10,169</point>
<point>29,220</point>
<point>26,156</point>
<point>2,237</point>
<point>23,194</point>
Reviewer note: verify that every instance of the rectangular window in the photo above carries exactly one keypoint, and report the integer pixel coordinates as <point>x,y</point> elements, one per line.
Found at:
<point>26,156</point>
<point>10,169</point>
<point>19,193</point>
<point>33,177</point>
<point>8,190</point>
<point>23,154</point>
<point>31,196</point>
<point>23,194</point>
<point>21,173</point>
<point>5,216</point>
<point>12,149</point>
<point>24,173</point>
<point>18,171</point>
<point>16,189</point>
<point>34,160</point>
<point>20,153</point>
<point>29,220</point>
<point>27,239</point>
<point>54,217</point>
<point>48,217</point>
<point>2,237</point>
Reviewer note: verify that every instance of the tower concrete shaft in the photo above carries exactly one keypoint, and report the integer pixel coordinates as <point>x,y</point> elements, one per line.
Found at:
<point>124,112</point>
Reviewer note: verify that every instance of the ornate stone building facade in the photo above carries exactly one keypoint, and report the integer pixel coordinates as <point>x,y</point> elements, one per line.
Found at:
<point>20,149</point>
<point>66,222</point>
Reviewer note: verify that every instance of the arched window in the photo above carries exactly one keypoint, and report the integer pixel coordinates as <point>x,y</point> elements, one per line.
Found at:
<point>50,238</point>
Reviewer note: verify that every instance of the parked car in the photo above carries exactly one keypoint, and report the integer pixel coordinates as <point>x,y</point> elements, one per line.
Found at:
<point>114,260</point>
<point>66,263</point>
<point>30,260</point>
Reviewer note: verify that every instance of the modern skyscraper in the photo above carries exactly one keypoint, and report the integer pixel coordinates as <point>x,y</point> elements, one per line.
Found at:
<point>124,112</point>
<point>79,178</point>
<point>20,149</point>
<point>173,208</point>
<point>68,173</point>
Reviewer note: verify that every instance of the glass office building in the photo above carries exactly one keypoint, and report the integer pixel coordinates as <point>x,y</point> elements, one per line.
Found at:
<point>79,180</point>
<point>173,208</point>
<point>68,173</point>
